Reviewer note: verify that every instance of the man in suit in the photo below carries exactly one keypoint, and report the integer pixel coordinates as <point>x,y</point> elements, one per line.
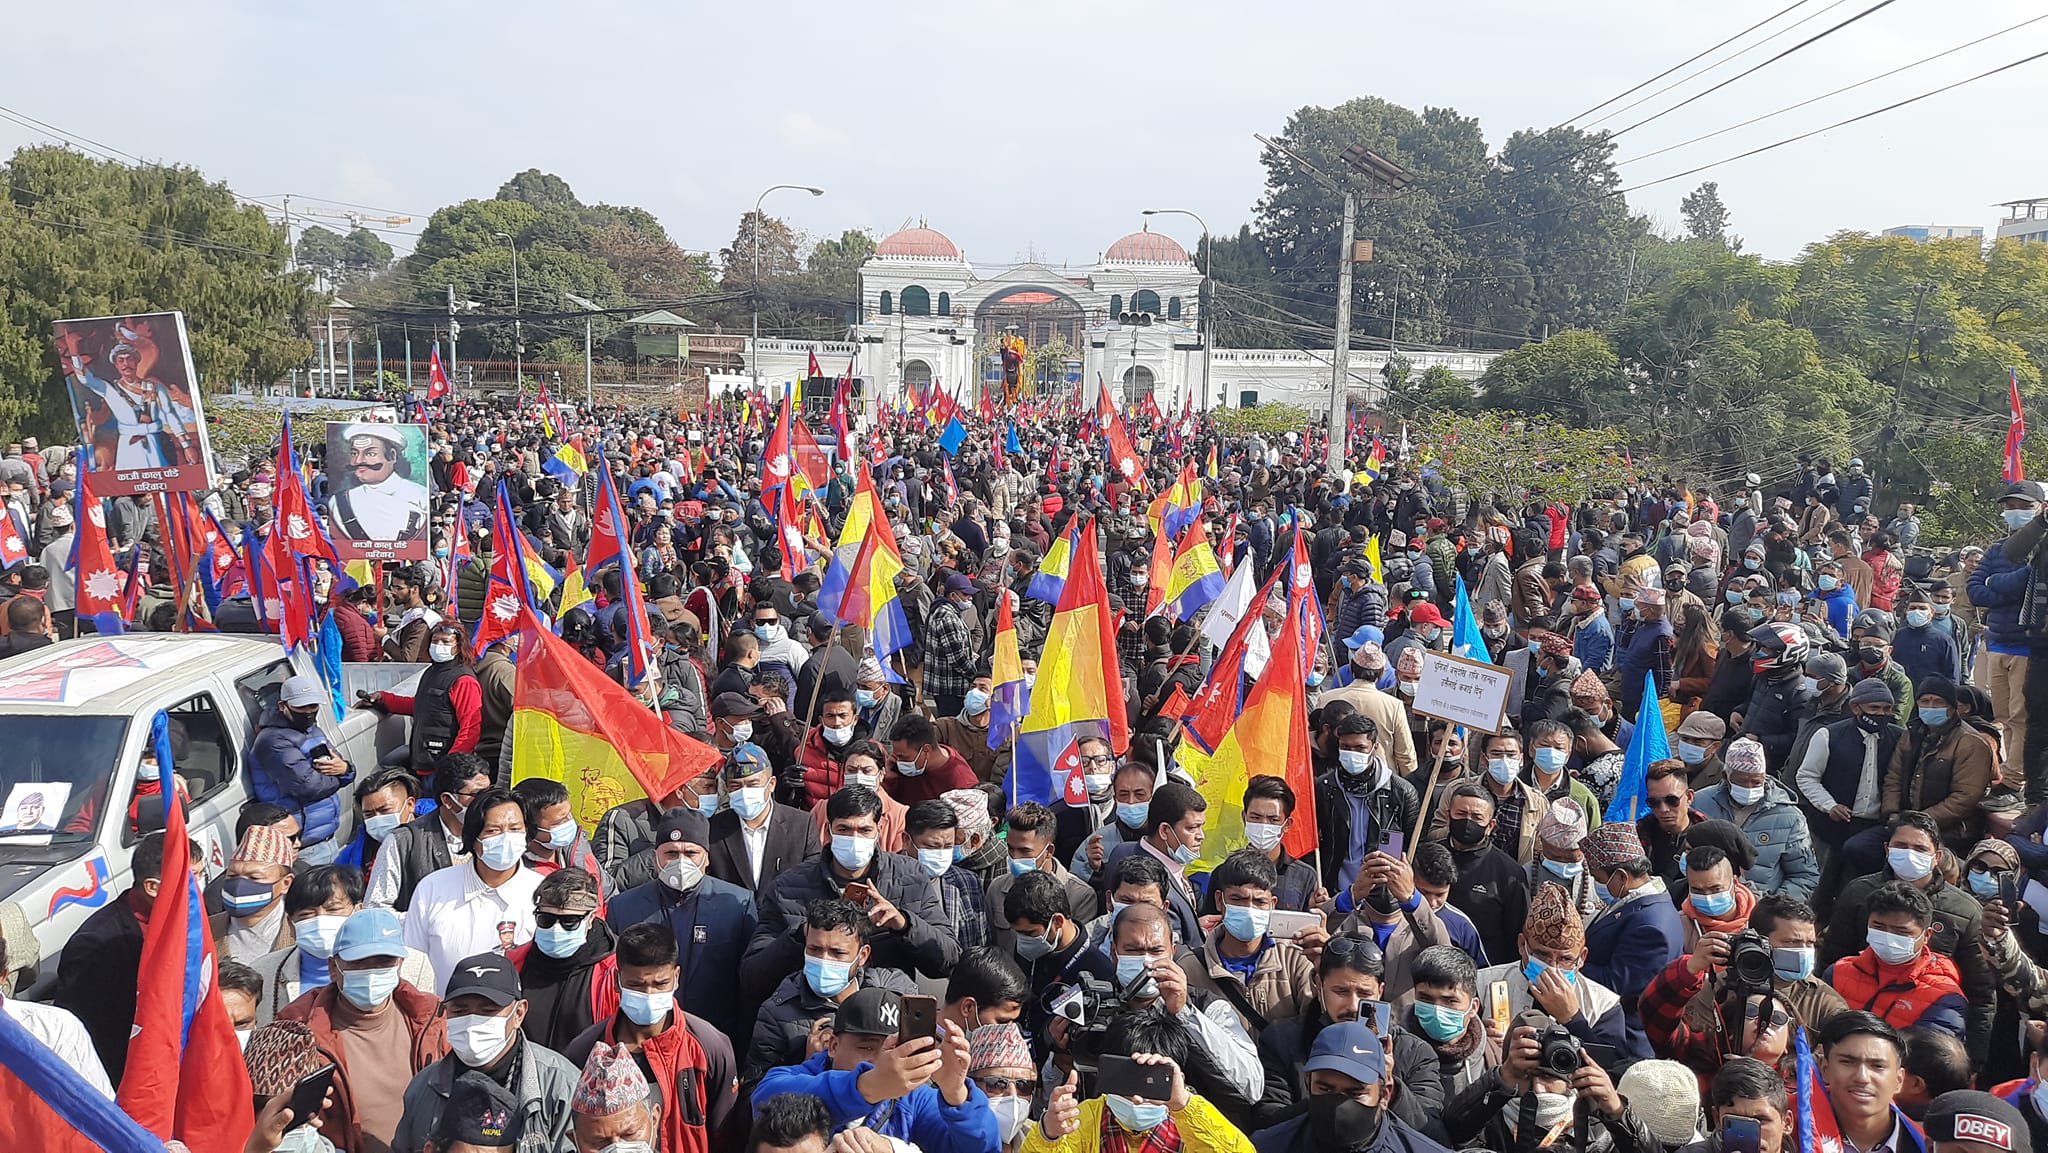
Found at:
<point>756,838</point>
<point>1174,830</point>
<point>1638,933</point>
<point>712,919</point>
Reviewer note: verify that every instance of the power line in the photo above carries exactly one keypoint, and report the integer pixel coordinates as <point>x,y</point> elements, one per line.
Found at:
<point>1735,55</point>
<point>1815,38</point>
<point>1836,92</point>
<point>1683,63</point>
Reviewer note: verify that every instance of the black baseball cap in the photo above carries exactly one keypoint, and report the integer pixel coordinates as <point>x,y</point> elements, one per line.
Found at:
<point>870,1012</point>
<point>480,1112</point>
<point>735,705</point>
<point>1967,1115</point>
<point>486,975</point>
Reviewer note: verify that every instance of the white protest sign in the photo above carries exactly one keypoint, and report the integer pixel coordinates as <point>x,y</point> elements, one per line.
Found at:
<point>1464,692</point>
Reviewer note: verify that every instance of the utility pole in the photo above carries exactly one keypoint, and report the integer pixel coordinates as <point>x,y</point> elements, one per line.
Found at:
<point>1628,288</point>
<point>518,332</point>
<point>1340,359</point>
<point>454,330</point>
<point>330,348</point>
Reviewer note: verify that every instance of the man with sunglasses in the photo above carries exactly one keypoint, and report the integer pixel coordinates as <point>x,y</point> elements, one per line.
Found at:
<point>568,969</point>
<point>1662,829</point>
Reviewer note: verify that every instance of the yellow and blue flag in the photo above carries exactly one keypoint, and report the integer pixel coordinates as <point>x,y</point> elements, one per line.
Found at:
<point>1079,690</point>
<point>1047,584</point>
<point>1183,500</point>
<point>567,464</point>
<point>1008,699</point>
<point>1195,578</point>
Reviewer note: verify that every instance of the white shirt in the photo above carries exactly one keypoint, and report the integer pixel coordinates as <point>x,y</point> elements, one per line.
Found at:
<point>1866,803</point>
<point>384,510</point>
<point>454,915</point>
<point>382,888</point>
<point>757,847</point>
<point>63,1035</point>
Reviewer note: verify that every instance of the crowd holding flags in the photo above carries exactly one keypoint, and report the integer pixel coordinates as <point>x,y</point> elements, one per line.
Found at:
<point>1079,690</point>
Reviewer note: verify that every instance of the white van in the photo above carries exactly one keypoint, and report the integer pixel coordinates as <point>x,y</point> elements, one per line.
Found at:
<point>74,720</point>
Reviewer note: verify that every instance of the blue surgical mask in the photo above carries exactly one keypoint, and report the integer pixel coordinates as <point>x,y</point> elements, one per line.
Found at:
<point>1550,760</point>
<point>1442,1024</point>
<point>558,942</point>
<point>974,703</point>
<point>1891,948</point>
<point>1983,885</point>
<point>148,770</point>
<point>1354,761</point>
<point>1752,563</point>
<point>707,804</point>
<point>1690,753</point>
<point>1565,870</point>
<point>1246,923</point>
<point>1533,968</point>
<point>1131,814</point>
<point>1628,605</point>
<point>1734,596</point>
<point>1181,853</point>
<point>1022,865</point>
<point>1827,583</point>
<point>1129,967</point>
<point>1809,684</point>
<point>1918,618</point>
<point>1787,597</point>
<point>852,852</point>
<point>1133,1116</point>
<point>1600,891</point>
<point>1503,770</point>
<point>1714,904</point>
<point>748,801</point>
<point>826,976</point>
<point>563,836</point>
<point>646,1008</point>
<point>1792,964</point>
<point>866,698</point>
<point>368,988</point>
<point>2017,518</point>
<point>1909,864</point>
<point>935,861</point>
<point>501,850</point>
<point>381,825</point>
<point>1934,717</point>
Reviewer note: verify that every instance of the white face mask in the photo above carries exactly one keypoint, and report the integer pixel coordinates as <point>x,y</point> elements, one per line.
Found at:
<point>316,936</point>
<point>1011,1115</point>
<point>744,731</point>
<point>1263,836</point>
<point>477,1038</point>
<point>440,654</point>
<point>682,874</point>
<point>837,737</point>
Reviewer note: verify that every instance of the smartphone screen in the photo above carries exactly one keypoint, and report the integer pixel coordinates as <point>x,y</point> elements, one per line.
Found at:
<point>1741,1135</point>
<point>1382,1016</point>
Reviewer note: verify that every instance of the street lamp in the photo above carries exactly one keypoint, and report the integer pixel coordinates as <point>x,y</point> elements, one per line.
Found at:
<point>1202,302</point>
<point>588,306</point>
<point>518,332</point>
<point>755,347</point>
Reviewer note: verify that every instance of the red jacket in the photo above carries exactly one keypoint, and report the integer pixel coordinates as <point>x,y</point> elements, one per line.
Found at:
<point>824,770</point>
<point>679,1066</point>
<point>358,639</point>
<point>315,1008</point>
<point>1926,990</point>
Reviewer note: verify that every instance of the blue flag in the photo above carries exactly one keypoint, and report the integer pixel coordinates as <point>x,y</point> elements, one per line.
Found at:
<point>1466,639</point>
<point>1648,746</point>
<point>1012,445</point>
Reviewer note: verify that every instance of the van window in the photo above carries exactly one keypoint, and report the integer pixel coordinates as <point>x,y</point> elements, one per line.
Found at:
<point>259,689</point>
<point>55,777</point>
<point>204,750</point>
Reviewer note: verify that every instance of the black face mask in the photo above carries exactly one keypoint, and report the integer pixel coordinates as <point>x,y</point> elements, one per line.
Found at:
<point>1339,1123</point>
<point>1380,899</point>
<point>1869,724</point>
<point>1871,658</point>
<point>1467,832</point>
<point>303,720</point>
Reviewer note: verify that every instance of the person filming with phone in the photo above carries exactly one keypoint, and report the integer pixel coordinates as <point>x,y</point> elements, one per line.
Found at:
<point>1143,1102</point>
<point>892,1071</point>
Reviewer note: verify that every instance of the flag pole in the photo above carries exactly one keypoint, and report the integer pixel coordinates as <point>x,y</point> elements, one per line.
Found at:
<point>1425,810</point>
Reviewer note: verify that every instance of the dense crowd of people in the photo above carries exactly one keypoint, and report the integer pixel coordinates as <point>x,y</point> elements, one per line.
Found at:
<point>849,935</point>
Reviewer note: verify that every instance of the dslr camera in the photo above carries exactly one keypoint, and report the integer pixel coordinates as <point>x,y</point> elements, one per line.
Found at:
<point>1088,1005</point>
<point>1561,1052</point>
<point>1749,962</point>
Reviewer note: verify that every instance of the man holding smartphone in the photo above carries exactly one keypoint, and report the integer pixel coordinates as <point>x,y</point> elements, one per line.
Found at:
<point>1748,1106</point>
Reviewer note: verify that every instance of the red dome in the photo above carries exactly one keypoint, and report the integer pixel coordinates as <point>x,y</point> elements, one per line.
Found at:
<point>918,243</point>
<point>1146,248</point>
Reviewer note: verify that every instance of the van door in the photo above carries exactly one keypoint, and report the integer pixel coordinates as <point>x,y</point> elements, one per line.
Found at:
<point>206,752</point>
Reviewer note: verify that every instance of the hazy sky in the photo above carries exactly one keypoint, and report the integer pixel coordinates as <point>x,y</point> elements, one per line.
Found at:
<point>1013,128</point>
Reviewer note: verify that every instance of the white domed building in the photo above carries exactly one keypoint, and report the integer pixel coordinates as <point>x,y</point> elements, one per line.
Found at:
<point>1134,319</point>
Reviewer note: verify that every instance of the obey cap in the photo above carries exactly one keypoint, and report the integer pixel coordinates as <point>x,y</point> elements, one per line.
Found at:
<point>1979,1118</point>
<point>485,975</point>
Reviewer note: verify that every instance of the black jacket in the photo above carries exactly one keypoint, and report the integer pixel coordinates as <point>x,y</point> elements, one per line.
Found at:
<point>925,944</point>
<point>1728,689</point>
<point>1776,706</point>
<point>792,841</point>
<point>97,977</point>
<point>1284,1046</point>
<point>1474,1119</point>
<point>1395,1136</point>
<point>1393,808</point>
<point>1493,891</point>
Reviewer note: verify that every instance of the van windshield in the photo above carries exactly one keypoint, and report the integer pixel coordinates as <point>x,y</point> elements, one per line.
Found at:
<point>55,773</point>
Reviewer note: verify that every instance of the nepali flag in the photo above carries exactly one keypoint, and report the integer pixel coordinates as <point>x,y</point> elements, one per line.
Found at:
<point>186,1080</point>
<point>46,1106</point>
<point>13,541</point>
<point>2015,433</point>
<point>437,380</point>
<point>1815,1118</point>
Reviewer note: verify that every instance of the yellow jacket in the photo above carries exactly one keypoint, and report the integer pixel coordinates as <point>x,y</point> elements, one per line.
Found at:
<point>1202,1130</point>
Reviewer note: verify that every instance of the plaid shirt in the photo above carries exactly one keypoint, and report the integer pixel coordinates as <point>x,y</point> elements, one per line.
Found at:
<point>960,895</point>
<point>948,652</point>
<point>1663,1012</point>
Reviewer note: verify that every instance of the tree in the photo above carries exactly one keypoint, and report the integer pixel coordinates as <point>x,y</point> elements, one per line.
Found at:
<point>540,189</point>
<point>342,259</point>
<point>1706,218</point>
<point>777,254</point>
<point>85,237</point>
<point>833,267</point>
<point>1575,374</point>
<point>1511,456</point>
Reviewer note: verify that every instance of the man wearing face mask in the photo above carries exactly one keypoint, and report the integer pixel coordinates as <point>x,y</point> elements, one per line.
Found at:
<point>1360,803</point>
<point>1350,1100</point>
<point>967,733</point>
<point>1923,647</point>
<point>380,1028</point>
<point>485,902</point>
<point>1268,811</point>
<point>1765,811</point>
<point>864,766</point>
<point>920,767</point>
<point>1492,889</point>
<point>484,1008</point>
<point>1187,1121</point>
<point>895,892</point>
<point>318,905</point>
<point>1524,1104</point>
<point>1078,824</point>
<point>1683,1008</point>
<point>754,838</point>
<point>385,800</point>
<point>1896,975</point>
<point>431,841</point>
<point>568,970</point>
<point>447,708</point>
<point>254,923</point>
<point>795,1022</point>
<point>687,1061</point>
<point>615,1110</point>
<point>1028,839</point>
<point>554,839</point>
<point>1546,976</point>
<point>822,756</point>
<point>293,764</point>
<point>1638,932</point>
<point>710,919</point>
<point>949,652</point>
<point>1177,821</point>
<point>1516,803</point>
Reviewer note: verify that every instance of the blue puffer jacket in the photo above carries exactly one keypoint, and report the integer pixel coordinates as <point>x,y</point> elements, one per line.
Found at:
<point>1999,587</point>
<point>281,771</point>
